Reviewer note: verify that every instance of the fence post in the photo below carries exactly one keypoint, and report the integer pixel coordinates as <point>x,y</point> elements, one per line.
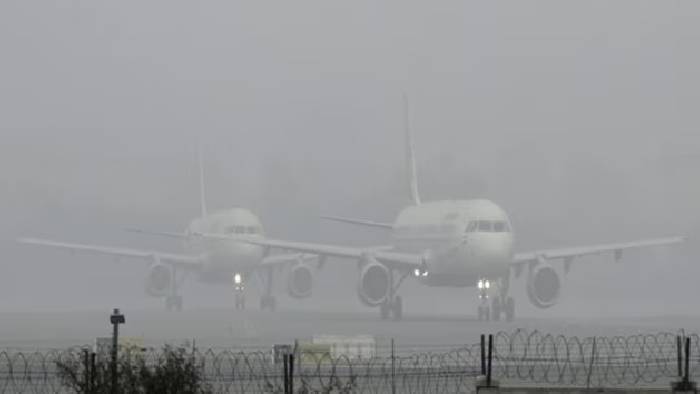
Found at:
<point>93,365</point>
<point>116,319</point>
<point>488,371</point>
<point>483,355</point>
<point>679,353</point>
<point>685,384</point>
<point>291,374</point>
<point>285,362</point>
<point>590,365</point>
<point>86,365</point>
<point>686,378</point>
<point>393,368</point>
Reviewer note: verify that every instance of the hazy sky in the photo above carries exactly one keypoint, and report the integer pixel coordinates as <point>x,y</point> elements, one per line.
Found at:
<point>580,118</point>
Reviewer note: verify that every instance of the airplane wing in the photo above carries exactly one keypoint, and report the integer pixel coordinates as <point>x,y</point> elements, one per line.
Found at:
<point>361,222</point>
<point>403,260</point>
<point>185,261</point>
<point>568,254</point>
<point>287,258</point>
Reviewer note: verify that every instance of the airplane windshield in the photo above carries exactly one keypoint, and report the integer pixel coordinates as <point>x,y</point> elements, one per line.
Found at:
<point>484,226</point>
<point>488,226</point>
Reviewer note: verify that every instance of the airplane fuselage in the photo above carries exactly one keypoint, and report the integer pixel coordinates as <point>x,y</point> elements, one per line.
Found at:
<point>463,241</point>
<point>225,257</point>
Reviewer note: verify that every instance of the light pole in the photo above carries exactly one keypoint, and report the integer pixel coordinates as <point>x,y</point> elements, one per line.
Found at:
<point>116,319</point>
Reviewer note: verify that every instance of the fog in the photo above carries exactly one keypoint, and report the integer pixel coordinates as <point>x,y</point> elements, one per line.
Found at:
<point>579,118</point>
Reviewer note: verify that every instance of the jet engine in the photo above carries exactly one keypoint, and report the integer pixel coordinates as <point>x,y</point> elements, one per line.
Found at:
<point>300,281</point>
<point>543,285</point>
<point>159,280</point>
<point>374,284</point>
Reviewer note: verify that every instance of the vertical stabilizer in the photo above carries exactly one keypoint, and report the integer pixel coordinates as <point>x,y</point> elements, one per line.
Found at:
<point>202,187</point>
<point>410,156</point>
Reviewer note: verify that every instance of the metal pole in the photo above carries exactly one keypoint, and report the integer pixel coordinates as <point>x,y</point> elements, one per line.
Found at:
<point>488,371</point>
<point>116,319</point>
<point>483,355</point>
<point>679,351</point>
<point>285,362</point>
<point>93,372</point>
<point>393,368</point>
<point>590,365</point>
<point>686,378</point>
<point>86,382</point>
<point>291,374</point>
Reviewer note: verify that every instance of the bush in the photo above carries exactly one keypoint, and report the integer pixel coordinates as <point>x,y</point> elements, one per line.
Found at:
<point>174,371</point>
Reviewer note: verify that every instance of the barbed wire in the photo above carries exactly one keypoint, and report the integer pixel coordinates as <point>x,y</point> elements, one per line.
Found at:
<point>635,360</point>
<point>519,357</point>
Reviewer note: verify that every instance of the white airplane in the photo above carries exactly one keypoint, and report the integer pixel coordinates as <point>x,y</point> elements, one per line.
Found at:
<point>462,243</point>
<point>214,262</point>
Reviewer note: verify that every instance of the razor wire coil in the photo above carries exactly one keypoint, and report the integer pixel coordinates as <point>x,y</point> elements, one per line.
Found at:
<point>519,357</point>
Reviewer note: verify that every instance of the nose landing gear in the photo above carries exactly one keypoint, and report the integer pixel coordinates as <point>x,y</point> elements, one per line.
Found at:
<point>500,304</point>
<point>238,288</point>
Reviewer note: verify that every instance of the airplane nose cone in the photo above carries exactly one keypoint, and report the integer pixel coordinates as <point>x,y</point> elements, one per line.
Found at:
<point>493,249</point>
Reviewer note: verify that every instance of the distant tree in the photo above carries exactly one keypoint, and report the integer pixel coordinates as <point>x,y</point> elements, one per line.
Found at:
<point>174,371</point>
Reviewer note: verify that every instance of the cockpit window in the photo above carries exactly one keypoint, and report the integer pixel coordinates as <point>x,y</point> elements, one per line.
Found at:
<point>499,227</point>
<point>488,226</point>
<point>484,226</point>
<point>241,230</point>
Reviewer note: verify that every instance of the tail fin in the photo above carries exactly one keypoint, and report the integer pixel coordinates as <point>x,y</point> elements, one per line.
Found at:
<point>202,188</point>
<point>410,157</point>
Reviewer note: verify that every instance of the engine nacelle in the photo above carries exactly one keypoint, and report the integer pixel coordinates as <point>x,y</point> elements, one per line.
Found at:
<point>300,281</point>
<point>159,280</point>
<point>374,284</point>
<point>543,285</point>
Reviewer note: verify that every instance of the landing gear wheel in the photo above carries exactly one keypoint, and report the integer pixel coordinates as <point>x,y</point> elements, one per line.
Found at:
<point>240,301</point>
<point>510,309</point>
<point>397,308</point>
<point>496,309</point>
<point>484,312</point>
<point>384,310</point>
<point>173,303</point>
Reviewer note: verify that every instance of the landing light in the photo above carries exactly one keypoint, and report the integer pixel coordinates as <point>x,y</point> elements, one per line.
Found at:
<point>480,285</point>
<point>487,284</point>
<point>416,272</point>
<point>237,279</point>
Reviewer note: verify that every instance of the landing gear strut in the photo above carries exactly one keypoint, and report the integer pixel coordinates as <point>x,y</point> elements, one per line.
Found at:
<point>267,300</point>
<point>500,303</point>
<point>173,301</point>
<point>393,305</point>
<point>238,288</point>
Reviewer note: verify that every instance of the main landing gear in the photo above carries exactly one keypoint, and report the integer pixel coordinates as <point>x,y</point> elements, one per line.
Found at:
<point>494,301</point>
<point>393,305</point>
<point>267,300</point>
<point>173,301</point>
